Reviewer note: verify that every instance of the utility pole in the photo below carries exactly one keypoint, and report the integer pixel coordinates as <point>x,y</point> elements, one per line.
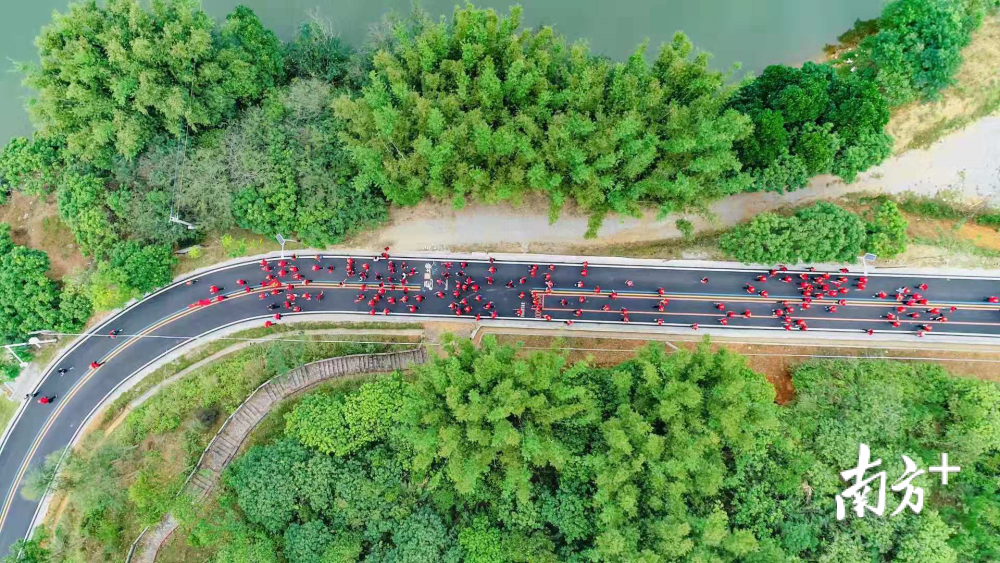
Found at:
<point>33,341</point>
<point>282,240</point>
<point>868,257</point>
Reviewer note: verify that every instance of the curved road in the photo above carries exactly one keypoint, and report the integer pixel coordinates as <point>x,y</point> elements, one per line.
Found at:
<point>180,313</point>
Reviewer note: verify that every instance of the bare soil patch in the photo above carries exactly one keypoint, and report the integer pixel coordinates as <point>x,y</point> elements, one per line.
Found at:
<point>34,222</point>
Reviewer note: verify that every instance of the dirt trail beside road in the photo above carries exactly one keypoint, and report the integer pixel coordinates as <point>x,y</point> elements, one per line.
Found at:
<point>965,163</point>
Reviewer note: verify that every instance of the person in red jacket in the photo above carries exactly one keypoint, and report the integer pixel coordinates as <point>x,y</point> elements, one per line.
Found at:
<point>95,365</point>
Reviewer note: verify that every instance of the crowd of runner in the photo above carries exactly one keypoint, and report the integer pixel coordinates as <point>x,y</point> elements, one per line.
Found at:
<point>397,288</point>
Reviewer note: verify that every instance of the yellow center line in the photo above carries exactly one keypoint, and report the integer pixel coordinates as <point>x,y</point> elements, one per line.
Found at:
<point>758,299</point>
<point>76,387</point>
<point>796,317</point>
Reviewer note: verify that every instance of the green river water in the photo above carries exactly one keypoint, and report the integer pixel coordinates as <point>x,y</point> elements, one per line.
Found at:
<point>753,32</point>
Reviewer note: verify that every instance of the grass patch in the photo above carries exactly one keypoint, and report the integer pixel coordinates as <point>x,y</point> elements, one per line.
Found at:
<point>940,207</point>
<point>216,346</point>
<point>704,243</point>
<point>7,410</point>
<point>924,138</point>
<point>958,245</point>
<point>221,246</point>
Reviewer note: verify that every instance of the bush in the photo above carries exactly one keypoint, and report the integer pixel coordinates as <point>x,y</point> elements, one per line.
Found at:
<point>886,231</point>
<point>206,416</point>
<point>931,207</point>
<point>989,219</point>
<point>686,228</point>
<point>9,369</point>
<point>821,233</point>
<point>232,247</point>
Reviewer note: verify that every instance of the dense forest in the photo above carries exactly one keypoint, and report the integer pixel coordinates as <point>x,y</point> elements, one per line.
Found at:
<point>489,455</point>
<point>146,114</point>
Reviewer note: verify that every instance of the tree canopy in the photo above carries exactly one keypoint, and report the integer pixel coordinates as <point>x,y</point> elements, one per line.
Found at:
<point>918,47</point>
<point>810,121</point>
<point>823,232</point>
<point>495,455</point>
<point>476,109</point>
<point>113,77</point>
<point>29,300</point>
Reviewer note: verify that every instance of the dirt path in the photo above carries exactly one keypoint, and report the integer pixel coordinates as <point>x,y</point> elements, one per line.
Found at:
<point>966,163</point>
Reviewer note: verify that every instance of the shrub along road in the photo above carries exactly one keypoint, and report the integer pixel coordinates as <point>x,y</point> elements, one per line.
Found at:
<point>544,293</point>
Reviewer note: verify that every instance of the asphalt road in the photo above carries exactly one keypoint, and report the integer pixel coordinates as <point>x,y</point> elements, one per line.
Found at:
<point>173,317</point>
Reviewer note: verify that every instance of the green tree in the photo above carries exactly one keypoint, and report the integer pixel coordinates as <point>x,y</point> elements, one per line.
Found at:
<point>423,536</point>
<point>341,425</point>
<point>306,543</point>
<point>679,456</point>
<point>768,142</point>
<point>492,114</point>
<point>345,548</point>
<point>918,47</point>
<point>83,206</point>
<point>886,231</point>
<point>130,74</point>
<point>482,408</point>
<point>29,166</point>
<point>879,403</point>
<point>822,232</point>
<point>661,458</point>
<point>483,542</point>
<point>145,267</point>
<point>817,146</point>
<point>265,490</point>
<point>810,121</point>
<point>29,300</point>
<point>108,288</point>
<point>29,551</point>
<point>41,477</point>
<point>929,542</point>
<point>317,52</point>
<point>293,174</point>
